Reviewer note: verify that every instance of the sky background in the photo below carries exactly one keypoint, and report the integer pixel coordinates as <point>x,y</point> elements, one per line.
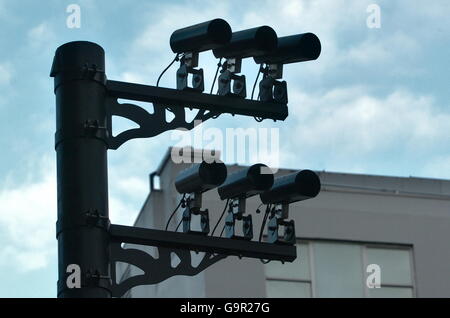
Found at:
<point>377,101</point>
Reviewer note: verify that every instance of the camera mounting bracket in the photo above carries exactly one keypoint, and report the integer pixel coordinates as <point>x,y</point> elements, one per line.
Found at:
<point>277,223</point>
<point>236,211</point>
<point>188,64</point>
<point>175,101</point>
<point>273,91</point>
<point>228,76</point>
<point>157,269</point>
<point>193,207</point>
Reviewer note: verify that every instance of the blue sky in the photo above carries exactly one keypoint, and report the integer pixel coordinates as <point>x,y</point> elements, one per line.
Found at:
<point>377,101</point>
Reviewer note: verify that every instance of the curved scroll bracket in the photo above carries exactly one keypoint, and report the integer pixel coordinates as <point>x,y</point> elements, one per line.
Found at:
<point>155,270</point>
<point>149,124</point>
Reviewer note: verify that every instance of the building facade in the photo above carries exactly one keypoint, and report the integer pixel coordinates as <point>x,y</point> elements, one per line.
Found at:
<point>359,231</point>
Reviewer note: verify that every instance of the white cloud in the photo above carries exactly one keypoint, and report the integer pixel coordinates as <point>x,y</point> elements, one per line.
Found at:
<point>6,75</point>
<point>41,35</point>
<point>352,128</point>
<point>6,72</point>
<point>347,43</point>
<point>27,221</point>
<point>127,194</point>
<point>150,51</point>
<point>351,123</point>
<point>287,17</point>
<point>393,54</point>
<point>28,214</point>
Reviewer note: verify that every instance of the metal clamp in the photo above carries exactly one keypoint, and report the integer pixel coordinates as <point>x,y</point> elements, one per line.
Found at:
<point>277,221</point>
<point>88,129</point>
<point>239,85</point>
<point>91,218</point>
<point>273,91</point>
<point>235,212</point>
<point>193,207</point>
<point>198,83</point>
<point>188,64</point>
<point>88,278</point>
<point>86,72</point>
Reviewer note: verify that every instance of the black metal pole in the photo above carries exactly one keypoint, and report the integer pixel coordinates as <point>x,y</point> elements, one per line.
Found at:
<point>80,142</point>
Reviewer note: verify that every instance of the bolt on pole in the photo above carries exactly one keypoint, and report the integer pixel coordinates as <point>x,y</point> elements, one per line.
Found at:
<point>80,143</point>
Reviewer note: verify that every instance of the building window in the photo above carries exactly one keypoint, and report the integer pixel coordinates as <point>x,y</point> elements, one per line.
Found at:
<point>338,269</point>
<point>290,279</point>
<point>396,271</point>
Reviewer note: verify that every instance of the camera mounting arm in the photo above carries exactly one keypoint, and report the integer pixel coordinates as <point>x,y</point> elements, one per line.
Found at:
<point>158,269</point>
<point>176,101</point>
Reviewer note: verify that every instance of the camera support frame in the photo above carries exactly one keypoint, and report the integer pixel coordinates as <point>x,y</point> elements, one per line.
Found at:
<point>86,101</point>
<point>194,207</point>
<point>188,64</point>
<point>231,84</point>
<point>270,89</point>
<point>278,220</point>
<point>236,211</point>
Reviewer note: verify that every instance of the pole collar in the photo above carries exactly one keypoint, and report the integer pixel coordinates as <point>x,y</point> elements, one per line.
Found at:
<point>88,129</point>
<point>91,218</point>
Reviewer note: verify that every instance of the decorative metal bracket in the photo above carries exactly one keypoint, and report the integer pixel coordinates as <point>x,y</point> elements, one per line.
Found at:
<point>155,270</point>
<point>158,269</point>
<point>149,124</point>
<point>176,101</point>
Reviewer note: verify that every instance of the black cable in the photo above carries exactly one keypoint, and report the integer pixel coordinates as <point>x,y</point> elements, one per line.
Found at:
<point>221,216</point>
<point>264,71</point>
<point>215,76</point>
<point>221,232</point>
<point>177,58</point>
<point>214,82</point>
<point>179,223</point>
<point>224,68</point>
<point>261,69</point>
<point>174,211</point>
<point>266,214</point>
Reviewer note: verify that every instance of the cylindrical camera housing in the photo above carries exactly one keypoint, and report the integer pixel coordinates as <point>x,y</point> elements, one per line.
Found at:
<point>201,37</point>
<point>201,177</point>
<point>293,49</point>
<point>252,42</point>
<point>294,187</point>
<point>247,182</point>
